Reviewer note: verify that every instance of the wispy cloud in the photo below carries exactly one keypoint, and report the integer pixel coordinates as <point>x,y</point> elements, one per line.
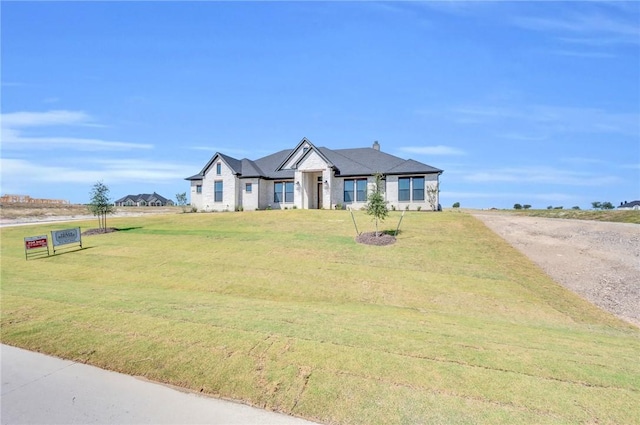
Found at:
<point>586,26</point>
<point>15,125</point>
<point>44,119</point>
<point>541,175</point>
<point>499,196</point>
<point>110,171</point>
<point>546,119</point>
<point>432,150</point>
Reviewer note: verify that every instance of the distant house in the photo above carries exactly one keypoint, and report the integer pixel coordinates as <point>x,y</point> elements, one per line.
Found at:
<point>144,200</point>
<point>633,205</point>
<point>310,177</point>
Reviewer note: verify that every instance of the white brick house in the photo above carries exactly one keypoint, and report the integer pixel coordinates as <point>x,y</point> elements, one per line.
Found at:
<point>308,177</point>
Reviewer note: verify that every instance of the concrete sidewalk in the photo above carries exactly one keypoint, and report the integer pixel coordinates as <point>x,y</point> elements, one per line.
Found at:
<point>39,389</point>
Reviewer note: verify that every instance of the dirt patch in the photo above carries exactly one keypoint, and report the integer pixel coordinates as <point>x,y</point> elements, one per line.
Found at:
<point>370,238</point>
<point>92,232</point>
<point>598,260</point>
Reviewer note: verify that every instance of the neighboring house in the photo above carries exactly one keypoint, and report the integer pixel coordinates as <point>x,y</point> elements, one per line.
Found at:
<point>144,200</point>
<point>308,177</point>
<point>633,205</point>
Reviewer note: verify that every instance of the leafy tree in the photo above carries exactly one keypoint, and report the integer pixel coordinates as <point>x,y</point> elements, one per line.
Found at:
<point>596,205</point>
<point>377,206</point>
<point>100,204</point>
<point>456,205</point>
<point>182,200</point>
<point>550,207</point>
<point>517,207</point>
<point>607,206</point>
<point>575,208</point>
<point>526,206</point>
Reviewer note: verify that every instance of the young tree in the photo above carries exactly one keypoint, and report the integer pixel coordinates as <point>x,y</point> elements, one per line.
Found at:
<point>377,206</point>
<point>182,200</point>
<point>100,204</point>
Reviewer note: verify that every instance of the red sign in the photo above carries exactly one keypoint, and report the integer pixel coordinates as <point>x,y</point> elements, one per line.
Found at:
<point>32,243</point>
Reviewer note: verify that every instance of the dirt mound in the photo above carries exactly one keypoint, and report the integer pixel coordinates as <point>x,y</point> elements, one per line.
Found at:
<point>370,238</point>
<point>91,232</point>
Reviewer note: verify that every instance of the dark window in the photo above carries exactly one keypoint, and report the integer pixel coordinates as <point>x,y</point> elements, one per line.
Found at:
<point>248,188</point>
<point>348,191</point>
<point>361,190</point>
<point>199,188</point>
<point>218,168</point>
<point>283,191</point>
<point>277,192</point>
<point>217,194</point>
<point>288,192</point>
<point>404,189</point>
<point>418,188</point>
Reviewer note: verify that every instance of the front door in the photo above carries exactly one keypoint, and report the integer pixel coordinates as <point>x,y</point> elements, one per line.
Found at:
<point>320,195</point>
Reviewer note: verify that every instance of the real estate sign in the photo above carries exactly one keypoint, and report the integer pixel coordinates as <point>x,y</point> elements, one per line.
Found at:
<point>35,245</point>
<point>65,237</point>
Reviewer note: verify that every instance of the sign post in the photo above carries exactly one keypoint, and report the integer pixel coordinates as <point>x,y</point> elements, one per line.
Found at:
<point>35,245</point>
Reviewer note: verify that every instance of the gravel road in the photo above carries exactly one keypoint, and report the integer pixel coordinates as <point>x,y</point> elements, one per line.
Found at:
<point>598,260</point>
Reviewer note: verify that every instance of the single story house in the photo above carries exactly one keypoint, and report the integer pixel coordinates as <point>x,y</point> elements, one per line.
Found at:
<point>144,200</point>
<point>310,177</point>
<point>633,205</point>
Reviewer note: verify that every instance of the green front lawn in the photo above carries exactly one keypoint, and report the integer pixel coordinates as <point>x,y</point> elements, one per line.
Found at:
<point>283,310</point>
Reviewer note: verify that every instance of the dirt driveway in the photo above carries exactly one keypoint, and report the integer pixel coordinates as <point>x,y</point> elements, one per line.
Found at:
<point>598,260</point>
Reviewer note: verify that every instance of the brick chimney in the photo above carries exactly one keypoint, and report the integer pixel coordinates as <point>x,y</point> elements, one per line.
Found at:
<point>376,145</point>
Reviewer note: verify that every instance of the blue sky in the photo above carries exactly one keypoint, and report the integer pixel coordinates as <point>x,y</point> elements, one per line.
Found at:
<point>518,102</point>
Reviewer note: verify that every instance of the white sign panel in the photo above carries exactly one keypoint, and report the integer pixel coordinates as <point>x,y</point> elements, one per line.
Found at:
<point>67,236</point>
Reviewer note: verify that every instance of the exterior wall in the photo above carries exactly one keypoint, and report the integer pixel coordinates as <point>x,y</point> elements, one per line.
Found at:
<point>249,201</point>
<point>229,188</point>
<point>196,198</point>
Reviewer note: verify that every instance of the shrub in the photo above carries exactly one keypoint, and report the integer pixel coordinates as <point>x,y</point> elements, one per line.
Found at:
<point>550,207</point>
<point>456,205</point>
<point>526,206</point>
<point>575,208</point>
<point>419,208</point>
<point>194,209</point>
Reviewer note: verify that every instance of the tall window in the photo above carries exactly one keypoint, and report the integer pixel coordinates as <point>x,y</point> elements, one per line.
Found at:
<point>217,191</point>
<point>218,169</point>
<point>418,188</point>
<point>361,190</point>
<point>348,191</point>
<point>288,192</point>
<point>199,188</point>
<point>283,191</point>
<point>248,187</point>
<point>411,188</point>
<point>404,189</point>
<point>355,189</point>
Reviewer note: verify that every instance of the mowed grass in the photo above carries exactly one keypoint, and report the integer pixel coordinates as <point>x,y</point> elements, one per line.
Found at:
<point>283,310</point>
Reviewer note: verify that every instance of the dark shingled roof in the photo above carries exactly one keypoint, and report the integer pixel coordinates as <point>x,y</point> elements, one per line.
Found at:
<point>144,197</point>
<point>346,162</point>
<point>630,204</point>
